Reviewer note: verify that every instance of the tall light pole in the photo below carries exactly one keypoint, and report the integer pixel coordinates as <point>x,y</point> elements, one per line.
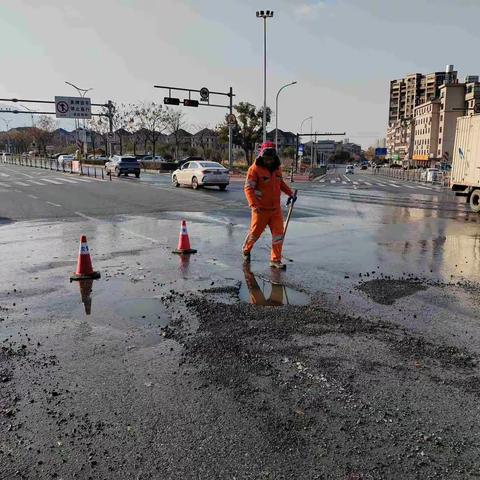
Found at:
<point>7,123</point>
<point>264,14</point>
<point>30,110</point>
<point>276,112</point>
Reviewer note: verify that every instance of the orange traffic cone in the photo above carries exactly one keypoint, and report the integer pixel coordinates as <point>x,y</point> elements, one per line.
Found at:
<point>183,241</point>
<point>84,263</point>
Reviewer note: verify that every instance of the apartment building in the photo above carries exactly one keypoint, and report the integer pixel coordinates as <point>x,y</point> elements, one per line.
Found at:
<point>426,131</point>
<point>414,89</point>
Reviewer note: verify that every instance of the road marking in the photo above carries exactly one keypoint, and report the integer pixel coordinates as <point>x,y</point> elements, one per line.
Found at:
<point>394,185</point>
<point>82,180</point>
<point>355,183</point>
<point>344,183</point>
<point>347,179</point>
<point>22,184</point>
<point>381,184</point>
<point>68,180</point>
<point>369,184</point>
<point>4,175</point>
<point>37,183</point>
<point>54,204</point>
<point>333,181</point>
<point>322,181</point>
<point>409,186</point>
<point>51,181</point>
<point>34,197</point>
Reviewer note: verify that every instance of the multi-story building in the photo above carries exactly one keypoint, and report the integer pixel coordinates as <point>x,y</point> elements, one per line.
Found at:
<point>415,89</point>
<point>399,142</point>
<point>426,121</point>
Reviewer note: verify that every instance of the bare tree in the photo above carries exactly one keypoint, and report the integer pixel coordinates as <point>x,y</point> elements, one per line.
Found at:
<point>43,132</point>
<point>123,120</point>
<point>99,126</point>
<point>152,119</point>
<point>175,124</point>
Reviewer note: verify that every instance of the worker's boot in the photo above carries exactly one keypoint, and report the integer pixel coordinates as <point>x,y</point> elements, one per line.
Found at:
<point>278,264</point>
<point>246,257</point>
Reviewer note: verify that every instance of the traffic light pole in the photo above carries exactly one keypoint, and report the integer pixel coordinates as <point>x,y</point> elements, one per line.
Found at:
<point>204,102</point>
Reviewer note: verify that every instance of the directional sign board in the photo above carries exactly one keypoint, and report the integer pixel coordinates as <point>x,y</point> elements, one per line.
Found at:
<point>73,107</point>
<point>380,152</point>
<point>204,94</point>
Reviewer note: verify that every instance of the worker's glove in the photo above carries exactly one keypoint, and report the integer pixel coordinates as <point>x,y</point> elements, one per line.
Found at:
<point>291,200</point>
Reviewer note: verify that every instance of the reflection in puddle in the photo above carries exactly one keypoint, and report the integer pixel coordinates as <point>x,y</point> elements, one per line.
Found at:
<point>269,292</point>
<point>85,293</point>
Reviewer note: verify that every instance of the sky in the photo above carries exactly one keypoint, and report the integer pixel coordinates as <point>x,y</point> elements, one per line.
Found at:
<point>342,53</point>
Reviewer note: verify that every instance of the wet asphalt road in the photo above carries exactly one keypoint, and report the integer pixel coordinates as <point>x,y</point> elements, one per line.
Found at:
<point>172,376</point>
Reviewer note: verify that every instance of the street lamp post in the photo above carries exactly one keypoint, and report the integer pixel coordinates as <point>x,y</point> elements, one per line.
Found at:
<point>30,110</point>
<point>264,14</point>
<point>276,112</point>
<point>7,123</point>
<point>81,92</point>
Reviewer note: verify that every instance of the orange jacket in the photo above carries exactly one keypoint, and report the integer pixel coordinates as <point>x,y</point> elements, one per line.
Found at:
<point>263,188</point>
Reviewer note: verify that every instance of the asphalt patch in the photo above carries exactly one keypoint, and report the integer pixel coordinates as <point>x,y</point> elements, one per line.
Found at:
<point>388,291</point>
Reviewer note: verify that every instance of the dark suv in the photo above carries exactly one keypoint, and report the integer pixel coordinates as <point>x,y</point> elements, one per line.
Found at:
<point>123,165</point>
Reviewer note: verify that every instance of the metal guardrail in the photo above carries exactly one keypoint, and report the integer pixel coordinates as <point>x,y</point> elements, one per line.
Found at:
<point>54,165</point>
<point>411,175</point>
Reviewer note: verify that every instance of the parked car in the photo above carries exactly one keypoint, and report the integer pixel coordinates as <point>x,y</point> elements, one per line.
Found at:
<point>430,175</point>
<point>201,174</point>
<point>349,169</point>
<point>65,160</point>
<point>123,165</point>
<point>151,158</point>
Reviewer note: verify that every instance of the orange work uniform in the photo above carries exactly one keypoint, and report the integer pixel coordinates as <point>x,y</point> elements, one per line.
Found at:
<point>263,190</point>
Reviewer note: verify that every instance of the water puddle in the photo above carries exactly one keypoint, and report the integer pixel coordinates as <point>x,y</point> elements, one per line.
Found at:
<point>269,292</point>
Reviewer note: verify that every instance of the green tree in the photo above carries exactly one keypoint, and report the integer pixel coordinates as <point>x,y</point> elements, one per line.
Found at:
<point>248,130</point>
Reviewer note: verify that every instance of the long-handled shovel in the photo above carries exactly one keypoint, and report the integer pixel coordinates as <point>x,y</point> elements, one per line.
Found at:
<point>290,202</point>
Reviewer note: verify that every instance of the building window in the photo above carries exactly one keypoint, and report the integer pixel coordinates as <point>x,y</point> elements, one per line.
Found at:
<point>439,141</point>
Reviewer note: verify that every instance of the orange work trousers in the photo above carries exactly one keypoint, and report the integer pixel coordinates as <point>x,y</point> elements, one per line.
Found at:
<point>260,220</point>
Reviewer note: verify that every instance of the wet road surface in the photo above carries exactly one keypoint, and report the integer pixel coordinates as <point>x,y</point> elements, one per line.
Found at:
<point>173,374</point>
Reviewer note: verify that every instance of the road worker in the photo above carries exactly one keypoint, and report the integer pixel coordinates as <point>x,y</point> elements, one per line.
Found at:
<point>257,295</point>
<point>263,187</point>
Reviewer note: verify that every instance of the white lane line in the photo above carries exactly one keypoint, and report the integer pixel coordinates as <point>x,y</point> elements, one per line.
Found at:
<point>34,197</point>
<point>51,181</point>
<point>409,186</point>
<point>380,184</point>
<point>54,204</point>
<point>19,173</point>
<point>37,183</point>
<point>394,185</point>
<point>6,185</point>
<point>22,184</point>
<point>369,184</point>
<point>4,175</point>
<point>333,181</point>
<point>68,180</point>
<point>347,179</point>
<point>82,180</point>
<point>355,183</point>
<point>322,181</point>
<point>344,183</point>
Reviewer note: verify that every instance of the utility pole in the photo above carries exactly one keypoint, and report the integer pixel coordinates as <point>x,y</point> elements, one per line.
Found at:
<point>230,131</point>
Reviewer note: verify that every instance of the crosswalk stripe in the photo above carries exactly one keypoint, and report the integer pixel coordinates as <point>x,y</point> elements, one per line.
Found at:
<point>333,181</point>
<point>344,183</point>
<point>83,180</point>
<point>355,183</point>
<point>322,181</point>
<point>4,175</point>
<point>49,180</point>
<point>68,180</point>
<point>37,183</point>
<point>394,185</point>
<point>22,184</point>
<point>5,185</point>
<point>369,184</point>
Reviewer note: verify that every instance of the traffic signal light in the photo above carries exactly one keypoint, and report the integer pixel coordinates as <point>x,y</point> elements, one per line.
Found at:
<point>171,101</point>
<point>190,103</point>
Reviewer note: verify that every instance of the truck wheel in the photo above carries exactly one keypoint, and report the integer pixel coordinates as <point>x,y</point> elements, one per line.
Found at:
<point>475,201</point>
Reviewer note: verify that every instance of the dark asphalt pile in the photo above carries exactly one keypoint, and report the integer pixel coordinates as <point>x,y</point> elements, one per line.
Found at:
<point>231,390</point>
<point>341,396</point>
<point>386,290</point>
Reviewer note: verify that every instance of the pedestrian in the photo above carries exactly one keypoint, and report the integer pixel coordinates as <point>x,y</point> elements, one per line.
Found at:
<point>263,187</point>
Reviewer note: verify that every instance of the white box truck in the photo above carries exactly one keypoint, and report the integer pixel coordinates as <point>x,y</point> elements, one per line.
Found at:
<point>465,178</point>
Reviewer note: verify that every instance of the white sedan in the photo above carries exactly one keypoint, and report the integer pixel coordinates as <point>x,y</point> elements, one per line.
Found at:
<point>201,174</point>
